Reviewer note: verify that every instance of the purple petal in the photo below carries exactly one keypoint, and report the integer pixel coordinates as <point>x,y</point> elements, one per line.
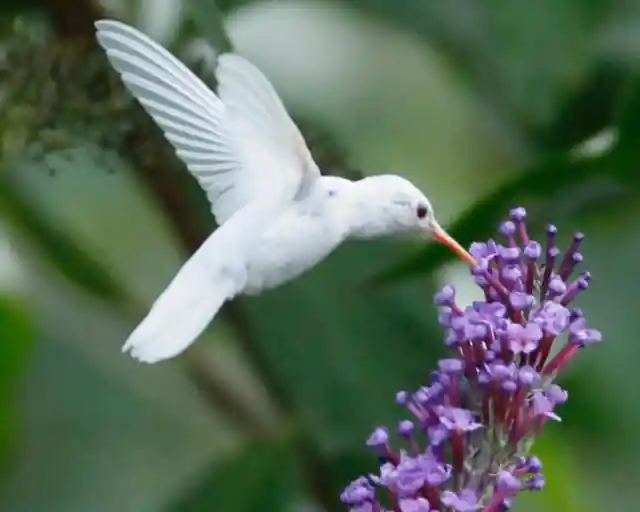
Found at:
<point>445,296</point>
<point>520,300</point>
<point>533,250</point>
<point>528,376</point>
<point>464,501</point>
<point>410,477</point>
<point>581,334</point>
<point>557,286</point>
<point>509,254</point>
<point>511,273</point>
<point>357,492</point>
<point>532,332</point>
<point>402,398</point>
<point>508,483</point>
<point>556,395</point>
<point>536,483</point>
<point>542,406</point>
<point>379,437</point>
<point>507,228</point>
<point>518,214</point>
<point>451,365</point>
<point>405,428</point>
<point>534,464</point>
<point>552,317</point>
<point>417,505</point>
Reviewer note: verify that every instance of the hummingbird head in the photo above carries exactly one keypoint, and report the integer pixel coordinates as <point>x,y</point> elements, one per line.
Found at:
<point>389,204</point>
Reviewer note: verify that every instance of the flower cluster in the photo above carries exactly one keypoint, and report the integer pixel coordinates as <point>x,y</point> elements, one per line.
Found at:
<point>466,448</point>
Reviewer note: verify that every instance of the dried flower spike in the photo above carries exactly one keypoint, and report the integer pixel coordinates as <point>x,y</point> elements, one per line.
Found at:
<point>466,448</point>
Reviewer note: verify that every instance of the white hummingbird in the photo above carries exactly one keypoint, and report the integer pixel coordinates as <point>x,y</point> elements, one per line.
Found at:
<point>277,215</point>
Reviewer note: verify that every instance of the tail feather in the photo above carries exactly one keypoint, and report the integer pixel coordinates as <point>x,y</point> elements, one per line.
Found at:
<point>180,314</point>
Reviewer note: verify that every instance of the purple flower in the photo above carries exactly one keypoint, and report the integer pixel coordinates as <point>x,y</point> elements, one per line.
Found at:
<point>484,252</point>
<point>379,437</point>
<point>534,465</point>
<point>498,370</point>
<point>388,475</point>
<point>458,420</point>
<point>451,365</point>
<point>493,394</point>
<point>445,296</point>
<point>523,340</point>
<point>556,395</point>
<point>557,286</point>
<point>580,334</point>
<point>533,250</point>
<point>521,300</point>
<point>528,376</point>
<point>518,214</point>
<point>470,326</point>
<point>427,395</point>
<point>464,501</point>
<point>542,406</point>
<point>358,492</point>
<point>445,318</point>
<point>436,473</point>
<point>402,398</point>
<point>493,313</point>
<point>552,317</point>
<point>508,483</point>
<point>536,483</point>
<point>437,434</point>
<point>509,254</point>
<point>511,275</point>
<point>405,428</point>
<point>507,228</point>
<point>410,476</point>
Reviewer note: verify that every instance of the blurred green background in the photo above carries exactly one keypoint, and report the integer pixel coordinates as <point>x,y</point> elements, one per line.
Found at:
<point>486,105</point>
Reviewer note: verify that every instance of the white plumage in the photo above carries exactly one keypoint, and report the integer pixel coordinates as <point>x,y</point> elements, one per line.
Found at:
<point>278,216</point>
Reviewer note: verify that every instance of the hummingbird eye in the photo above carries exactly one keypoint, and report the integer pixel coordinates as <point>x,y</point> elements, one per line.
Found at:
<point>422,211</point>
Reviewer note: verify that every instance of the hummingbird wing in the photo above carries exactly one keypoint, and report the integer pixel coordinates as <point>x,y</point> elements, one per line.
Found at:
<point>241,144</point>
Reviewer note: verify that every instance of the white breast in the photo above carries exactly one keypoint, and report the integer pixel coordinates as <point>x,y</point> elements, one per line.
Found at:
<point>296,240</point>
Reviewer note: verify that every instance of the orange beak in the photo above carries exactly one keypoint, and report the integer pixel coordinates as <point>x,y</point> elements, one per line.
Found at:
<point>445,239</point>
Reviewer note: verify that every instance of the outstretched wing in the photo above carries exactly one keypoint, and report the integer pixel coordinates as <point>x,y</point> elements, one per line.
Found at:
<point>240,145</point>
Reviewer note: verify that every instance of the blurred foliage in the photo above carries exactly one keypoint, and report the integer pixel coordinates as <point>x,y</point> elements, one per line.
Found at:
<point>63,253</point>
<point>327,352</point>
<point>17,339</point>
<point>254,467</point>
<point>347,336</point>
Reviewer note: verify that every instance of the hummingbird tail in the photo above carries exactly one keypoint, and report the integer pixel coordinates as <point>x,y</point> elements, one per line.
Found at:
<point>180,313</point>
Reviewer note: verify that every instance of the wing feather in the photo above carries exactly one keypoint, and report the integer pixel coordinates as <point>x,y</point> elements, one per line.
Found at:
<point>241,145</point>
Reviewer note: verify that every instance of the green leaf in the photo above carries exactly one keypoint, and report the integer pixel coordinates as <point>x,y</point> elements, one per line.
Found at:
<point>338,354</point>
<point>17,338</point>
<point>69,259</point>
<point>265,475</point>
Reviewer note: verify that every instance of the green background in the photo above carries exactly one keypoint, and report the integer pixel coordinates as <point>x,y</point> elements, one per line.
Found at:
<point>485,105</point>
